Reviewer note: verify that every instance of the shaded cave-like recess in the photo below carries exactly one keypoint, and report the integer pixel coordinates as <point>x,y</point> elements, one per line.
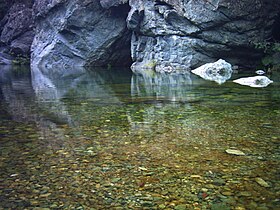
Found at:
<point>121,49</point>
<point>276,29</point>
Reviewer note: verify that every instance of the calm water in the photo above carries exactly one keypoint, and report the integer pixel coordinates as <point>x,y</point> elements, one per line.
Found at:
<point>110,139</point>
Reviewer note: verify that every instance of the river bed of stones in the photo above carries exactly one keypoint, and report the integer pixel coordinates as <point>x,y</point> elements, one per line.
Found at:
<point>121,159</point>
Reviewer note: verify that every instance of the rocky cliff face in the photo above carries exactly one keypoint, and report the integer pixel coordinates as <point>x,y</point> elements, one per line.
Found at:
<point>163,35</point>
<point>183,34</point>
<point>80,32</point>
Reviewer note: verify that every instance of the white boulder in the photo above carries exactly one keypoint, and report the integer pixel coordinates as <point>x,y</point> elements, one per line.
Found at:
<point>256,81</point>
<point>219,71</point>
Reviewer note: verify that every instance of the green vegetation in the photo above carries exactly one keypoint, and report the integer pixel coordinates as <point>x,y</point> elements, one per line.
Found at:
<point>151,64</point>
<point>21,60</point>
<point>271,60</point>
<point>20,71</point>
<point>109,66</point>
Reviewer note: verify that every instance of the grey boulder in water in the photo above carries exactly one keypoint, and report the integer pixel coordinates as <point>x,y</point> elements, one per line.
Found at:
<point>219,71</point>
<point>256,81</point>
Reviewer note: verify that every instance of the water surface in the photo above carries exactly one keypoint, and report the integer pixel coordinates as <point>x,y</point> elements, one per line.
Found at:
<point>109,139</point>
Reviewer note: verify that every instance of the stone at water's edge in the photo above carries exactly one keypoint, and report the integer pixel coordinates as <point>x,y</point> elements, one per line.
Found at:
<point>220,71</point>
<point>260,72</point>
<point>256,81</point>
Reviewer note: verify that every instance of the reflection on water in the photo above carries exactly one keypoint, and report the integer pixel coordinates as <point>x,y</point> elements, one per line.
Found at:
<point>109,139</point>
<point>171,87</point>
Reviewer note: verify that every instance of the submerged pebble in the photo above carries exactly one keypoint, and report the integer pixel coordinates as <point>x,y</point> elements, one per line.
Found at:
<point>235,152</point>
<point>261,182</point>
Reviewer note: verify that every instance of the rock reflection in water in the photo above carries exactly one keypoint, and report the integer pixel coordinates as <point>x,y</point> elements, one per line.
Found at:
<point>17,90</point>
<point>34,100</point>
<point>164,92</point>
<point>168,87</point>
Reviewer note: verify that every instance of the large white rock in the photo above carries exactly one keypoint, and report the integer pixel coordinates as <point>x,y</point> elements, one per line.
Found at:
<point>219,71</point>
<point>256,81</point>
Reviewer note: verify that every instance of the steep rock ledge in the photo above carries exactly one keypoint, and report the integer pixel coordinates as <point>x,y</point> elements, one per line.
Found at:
<point>80,33</point>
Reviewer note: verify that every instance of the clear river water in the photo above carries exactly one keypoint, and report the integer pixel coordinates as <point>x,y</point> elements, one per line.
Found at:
<point>110,139</point>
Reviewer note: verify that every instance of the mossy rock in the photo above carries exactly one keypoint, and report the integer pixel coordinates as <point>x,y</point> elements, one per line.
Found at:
<point>151,64</point>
